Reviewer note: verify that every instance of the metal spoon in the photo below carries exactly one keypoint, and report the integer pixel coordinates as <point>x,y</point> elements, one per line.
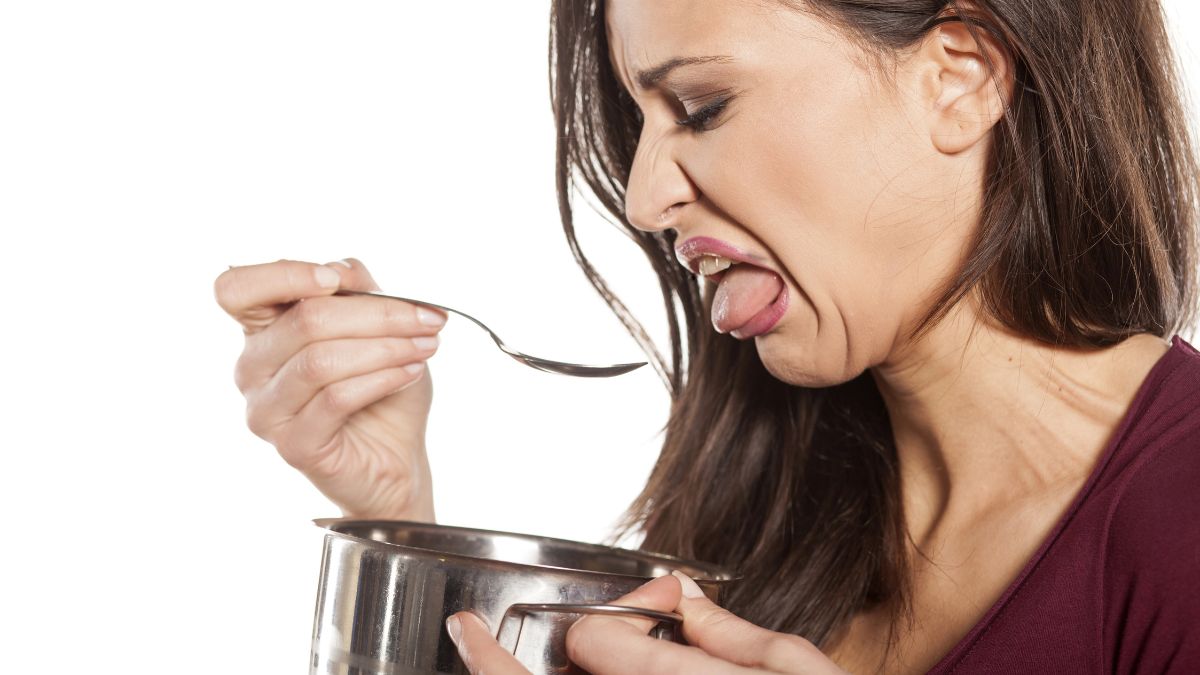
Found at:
<point>576,369</point>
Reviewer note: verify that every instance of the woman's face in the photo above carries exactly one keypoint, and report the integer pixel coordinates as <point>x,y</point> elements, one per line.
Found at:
<point>824,170</point>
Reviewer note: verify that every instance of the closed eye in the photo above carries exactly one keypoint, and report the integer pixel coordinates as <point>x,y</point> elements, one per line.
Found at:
<point>700,119</point>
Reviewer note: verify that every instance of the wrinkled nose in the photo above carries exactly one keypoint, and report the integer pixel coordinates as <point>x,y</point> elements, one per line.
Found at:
<point>658,188</point>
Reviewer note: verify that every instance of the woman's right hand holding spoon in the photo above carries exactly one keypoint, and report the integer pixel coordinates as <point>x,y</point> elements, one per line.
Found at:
<point>338,384</point>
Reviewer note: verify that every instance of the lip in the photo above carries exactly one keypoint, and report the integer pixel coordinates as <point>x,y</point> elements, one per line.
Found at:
<point>689,253</point>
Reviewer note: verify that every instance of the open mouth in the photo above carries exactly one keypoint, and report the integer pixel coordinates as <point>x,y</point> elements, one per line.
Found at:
<point>749,300</point>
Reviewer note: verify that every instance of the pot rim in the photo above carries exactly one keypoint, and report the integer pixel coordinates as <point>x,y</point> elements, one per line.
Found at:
<point>714,574</point>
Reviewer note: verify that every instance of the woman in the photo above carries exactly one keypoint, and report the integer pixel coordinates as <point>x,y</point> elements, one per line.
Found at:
<point>941,413</point>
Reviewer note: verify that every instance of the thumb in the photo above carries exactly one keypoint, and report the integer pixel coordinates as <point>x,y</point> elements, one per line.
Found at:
<point>720,633</point>
<point>658,594</point>
<point>355,276</point>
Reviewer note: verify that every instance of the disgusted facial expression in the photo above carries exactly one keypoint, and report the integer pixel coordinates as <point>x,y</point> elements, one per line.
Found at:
<point>778,135</point>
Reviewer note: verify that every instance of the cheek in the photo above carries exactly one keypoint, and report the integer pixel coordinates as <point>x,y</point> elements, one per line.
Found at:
<point>810,174</point>
<point>851,174</point>
<point>821,185</point>
<point>802,180</point>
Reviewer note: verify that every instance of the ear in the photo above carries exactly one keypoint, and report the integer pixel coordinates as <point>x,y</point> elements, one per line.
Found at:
<point>966,78</point>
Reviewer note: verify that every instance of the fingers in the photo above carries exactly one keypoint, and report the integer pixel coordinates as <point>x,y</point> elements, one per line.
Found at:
<point>323,364</point>
<point>305,439</point>
<point>354,274</point>
<point>721,634</point>
<point>254,294</point>
<point>478,649</point>
<point>609,645</point>
<point>661,594</point>
<point>321,319</point>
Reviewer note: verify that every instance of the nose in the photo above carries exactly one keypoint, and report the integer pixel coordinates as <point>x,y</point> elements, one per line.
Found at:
<point>658,187</point>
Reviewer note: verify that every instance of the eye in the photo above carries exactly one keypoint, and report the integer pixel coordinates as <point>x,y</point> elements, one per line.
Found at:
<point>700,119</point>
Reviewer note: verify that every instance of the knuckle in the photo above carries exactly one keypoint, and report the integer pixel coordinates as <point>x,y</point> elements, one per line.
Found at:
<point>242,372</point>
<point>803,646</point>
<point>257,420</point>
<point>719,617</point>
<point>308,318</point>
<point>398,313</point>
<point>782,648</point>
<point>295,459</point>
<point>315,364</point>
<point>337,399</point>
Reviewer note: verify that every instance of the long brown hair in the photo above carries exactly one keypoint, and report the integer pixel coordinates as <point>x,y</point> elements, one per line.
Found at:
<point>1087,237</point>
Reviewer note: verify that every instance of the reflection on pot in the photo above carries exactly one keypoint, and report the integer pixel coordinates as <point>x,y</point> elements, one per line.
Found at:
<point>387,587</point>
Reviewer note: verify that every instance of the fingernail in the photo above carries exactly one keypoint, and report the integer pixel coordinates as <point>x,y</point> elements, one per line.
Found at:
<point>690,589</point>
<point>327,277</point>
<point>344,263</point>
<point>429,317</point>
<point>414,368</point>
<point>425,342</point>
<point>454,628</point>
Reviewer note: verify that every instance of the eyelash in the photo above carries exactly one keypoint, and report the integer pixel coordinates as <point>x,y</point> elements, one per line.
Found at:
<point>699,120</point>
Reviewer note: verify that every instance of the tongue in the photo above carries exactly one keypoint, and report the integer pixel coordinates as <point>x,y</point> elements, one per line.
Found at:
<point>744,290</point>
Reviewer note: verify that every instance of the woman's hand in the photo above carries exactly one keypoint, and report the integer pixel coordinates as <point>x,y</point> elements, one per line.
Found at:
<point>720,642</point>
<point>338,385</point>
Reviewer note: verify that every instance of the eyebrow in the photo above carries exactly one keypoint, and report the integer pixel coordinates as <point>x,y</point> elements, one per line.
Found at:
<point>646,79</point>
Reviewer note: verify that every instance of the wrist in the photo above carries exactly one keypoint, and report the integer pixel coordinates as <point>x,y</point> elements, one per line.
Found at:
<point>413,500</point>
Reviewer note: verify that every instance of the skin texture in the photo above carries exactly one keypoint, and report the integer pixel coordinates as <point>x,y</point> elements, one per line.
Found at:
<point>862,189</point>
<point>326,382</point>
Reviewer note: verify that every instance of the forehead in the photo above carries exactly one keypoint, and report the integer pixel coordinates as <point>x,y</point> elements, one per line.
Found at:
<point>643,33</point>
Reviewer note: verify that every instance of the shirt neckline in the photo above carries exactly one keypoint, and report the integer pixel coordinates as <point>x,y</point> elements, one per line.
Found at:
<point>1145,393</point>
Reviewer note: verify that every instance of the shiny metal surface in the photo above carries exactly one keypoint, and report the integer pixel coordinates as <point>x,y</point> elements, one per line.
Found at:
<point>561,367</point>
<point>386,588</point>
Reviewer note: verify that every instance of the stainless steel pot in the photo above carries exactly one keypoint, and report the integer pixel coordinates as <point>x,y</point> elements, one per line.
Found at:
<point>387,587</point>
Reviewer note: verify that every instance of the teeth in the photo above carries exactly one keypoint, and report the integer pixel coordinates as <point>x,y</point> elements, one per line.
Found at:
<point>711,264</point>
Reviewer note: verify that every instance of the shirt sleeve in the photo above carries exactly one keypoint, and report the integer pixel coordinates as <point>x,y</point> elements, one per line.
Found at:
<point>1151,591</point>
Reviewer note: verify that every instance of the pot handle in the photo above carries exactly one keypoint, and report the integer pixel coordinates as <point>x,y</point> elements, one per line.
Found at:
<point>667,627</point>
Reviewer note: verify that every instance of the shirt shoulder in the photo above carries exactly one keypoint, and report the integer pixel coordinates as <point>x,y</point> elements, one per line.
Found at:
<point>1151,585</point>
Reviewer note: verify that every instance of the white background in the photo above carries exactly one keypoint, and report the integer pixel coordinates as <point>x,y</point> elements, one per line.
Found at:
<point>144,147</point>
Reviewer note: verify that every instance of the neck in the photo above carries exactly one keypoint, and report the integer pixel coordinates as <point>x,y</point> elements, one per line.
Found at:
<point>982,416</point>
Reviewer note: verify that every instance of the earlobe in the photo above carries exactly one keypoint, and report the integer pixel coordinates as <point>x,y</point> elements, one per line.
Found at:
<point>970,80</point>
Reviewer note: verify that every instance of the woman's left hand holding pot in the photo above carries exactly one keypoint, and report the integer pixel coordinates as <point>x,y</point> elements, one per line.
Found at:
<point>719,642</point>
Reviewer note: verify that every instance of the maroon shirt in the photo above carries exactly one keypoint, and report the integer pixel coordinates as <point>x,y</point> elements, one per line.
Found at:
<point>1116,585</point>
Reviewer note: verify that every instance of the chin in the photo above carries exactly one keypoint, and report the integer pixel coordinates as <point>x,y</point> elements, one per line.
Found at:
<point>801,365</point>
